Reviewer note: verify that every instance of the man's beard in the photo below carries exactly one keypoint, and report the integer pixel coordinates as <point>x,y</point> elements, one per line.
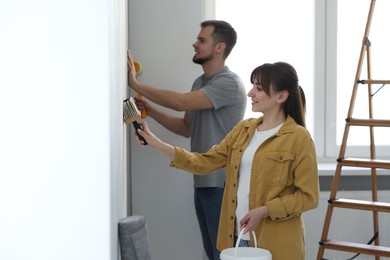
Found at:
<point>203,60</point>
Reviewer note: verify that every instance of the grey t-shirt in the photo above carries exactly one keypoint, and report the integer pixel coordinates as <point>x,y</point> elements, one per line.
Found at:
<point>209,126</point>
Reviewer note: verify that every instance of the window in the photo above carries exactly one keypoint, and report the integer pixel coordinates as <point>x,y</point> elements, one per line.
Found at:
<point>322,40</point>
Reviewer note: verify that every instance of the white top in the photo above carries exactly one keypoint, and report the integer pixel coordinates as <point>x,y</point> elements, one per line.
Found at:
<point>245,174</point>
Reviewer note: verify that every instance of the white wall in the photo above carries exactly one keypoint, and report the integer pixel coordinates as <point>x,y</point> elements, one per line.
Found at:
<point>62,83</point>
<point>161,35</point>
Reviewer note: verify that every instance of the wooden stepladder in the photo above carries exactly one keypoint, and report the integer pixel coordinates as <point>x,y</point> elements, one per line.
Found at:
<point>371,162</point>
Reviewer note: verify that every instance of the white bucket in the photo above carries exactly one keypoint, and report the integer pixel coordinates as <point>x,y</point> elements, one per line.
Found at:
<point>245,253</point>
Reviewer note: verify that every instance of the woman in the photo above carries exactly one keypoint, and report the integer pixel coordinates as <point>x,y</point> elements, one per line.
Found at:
<point>271,163</point>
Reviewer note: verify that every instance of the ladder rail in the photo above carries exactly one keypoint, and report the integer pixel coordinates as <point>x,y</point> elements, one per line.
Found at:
<point>374,188</point>
<point>365,43</point>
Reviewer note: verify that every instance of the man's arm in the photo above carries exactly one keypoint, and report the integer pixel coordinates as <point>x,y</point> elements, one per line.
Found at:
<point>176,125</point>
<point>193,100</point>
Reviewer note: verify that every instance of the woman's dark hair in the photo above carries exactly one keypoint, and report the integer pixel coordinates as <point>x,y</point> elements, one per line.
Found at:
<point>223,32</point>
<point>282,76</point>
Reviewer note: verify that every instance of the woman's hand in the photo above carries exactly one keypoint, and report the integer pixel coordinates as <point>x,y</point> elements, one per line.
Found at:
<point>253,218</point>
<point>150,138</point>
<point>155,142</point>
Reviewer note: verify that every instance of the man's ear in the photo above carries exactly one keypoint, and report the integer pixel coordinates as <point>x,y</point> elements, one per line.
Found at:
<point>220,47</point>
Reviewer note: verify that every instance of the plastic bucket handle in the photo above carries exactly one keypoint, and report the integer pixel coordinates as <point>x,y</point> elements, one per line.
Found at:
<point>240,237</point>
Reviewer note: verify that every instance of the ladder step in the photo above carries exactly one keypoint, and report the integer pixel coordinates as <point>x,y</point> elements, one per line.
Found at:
<point>356,248</point>
<point>372,81</point>
<point>368,122</point>
<point>361,204</point>
<point>360,162</point>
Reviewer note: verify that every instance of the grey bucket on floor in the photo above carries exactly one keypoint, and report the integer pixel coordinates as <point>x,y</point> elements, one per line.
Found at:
<point>133,238</point>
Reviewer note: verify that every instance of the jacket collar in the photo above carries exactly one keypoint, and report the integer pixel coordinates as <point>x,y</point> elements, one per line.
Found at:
<point>287,127</point>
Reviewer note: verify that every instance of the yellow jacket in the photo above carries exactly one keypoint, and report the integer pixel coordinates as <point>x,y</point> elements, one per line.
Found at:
<point>284,177</point>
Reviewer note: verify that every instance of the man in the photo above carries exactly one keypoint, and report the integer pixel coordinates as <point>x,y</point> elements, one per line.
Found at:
<point>215,104</point>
